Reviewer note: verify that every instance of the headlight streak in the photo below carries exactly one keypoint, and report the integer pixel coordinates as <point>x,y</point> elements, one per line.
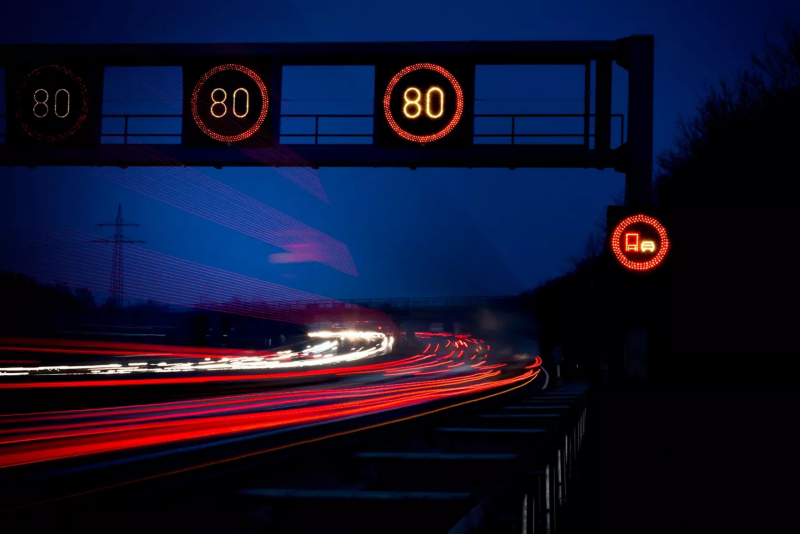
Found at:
<point>225,363</point>
<point>37,437</point>
<point>135,348</point>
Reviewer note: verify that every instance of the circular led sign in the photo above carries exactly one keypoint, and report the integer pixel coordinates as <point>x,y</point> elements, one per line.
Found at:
<point>52,103</point>
<point>423,103</point>
<point>229,103</point>
<point>640,242</point>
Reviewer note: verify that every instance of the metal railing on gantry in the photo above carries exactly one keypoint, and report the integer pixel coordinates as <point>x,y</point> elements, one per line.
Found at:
<point>384,303</point>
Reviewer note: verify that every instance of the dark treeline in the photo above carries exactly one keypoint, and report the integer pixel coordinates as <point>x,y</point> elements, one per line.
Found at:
<point>725,190</point>
<point>32,308</point>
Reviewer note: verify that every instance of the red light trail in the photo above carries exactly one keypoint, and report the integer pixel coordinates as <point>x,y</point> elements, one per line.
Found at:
<point>44,436</point>
<point>124,435</point>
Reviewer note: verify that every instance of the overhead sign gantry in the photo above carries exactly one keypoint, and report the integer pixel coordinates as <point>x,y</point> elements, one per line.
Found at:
<point>424,106</point>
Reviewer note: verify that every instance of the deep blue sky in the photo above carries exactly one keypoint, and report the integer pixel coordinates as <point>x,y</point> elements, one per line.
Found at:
<point>430,232</point>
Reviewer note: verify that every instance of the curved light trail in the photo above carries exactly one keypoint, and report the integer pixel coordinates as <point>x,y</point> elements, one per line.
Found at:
<point>369,388</point>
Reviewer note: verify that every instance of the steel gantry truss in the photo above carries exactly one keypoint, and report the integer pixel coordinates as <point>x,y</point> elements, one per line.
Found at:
<point>634,157</point>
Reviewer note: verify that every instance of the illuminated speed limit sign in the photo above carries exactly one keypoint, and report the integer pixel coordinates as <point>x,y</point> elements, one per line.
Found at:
<point>53,104</point>
<point>424,103</point>
<point>227,104</point>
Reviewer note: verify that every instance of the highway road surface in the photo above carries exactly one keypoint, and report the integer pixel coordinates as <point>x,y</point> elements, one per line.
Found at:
<point>164,408</point>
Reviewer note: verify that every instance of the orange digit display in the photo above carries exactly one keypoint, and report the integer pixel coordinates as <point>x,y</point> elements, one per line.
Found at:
<point>229,103</point>
<point>52,104</point>
<point>640,242</point>
<point>423,103</point>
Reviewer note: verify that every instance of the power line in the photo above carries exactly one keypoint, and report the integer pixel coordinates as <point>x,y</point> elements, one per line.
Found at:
<point>117,280</point>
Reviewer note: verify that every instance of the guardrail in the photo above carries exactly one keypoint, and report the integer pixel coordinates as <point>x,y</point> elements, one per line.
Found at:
<point>505,465</point>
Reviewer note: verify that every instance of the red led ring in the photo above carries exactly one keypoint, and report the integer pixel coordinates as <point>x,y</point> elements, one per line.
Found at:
<point>250,131</point>
<point>640,265</point>
<point>444,131</point>
<point>84,109</point>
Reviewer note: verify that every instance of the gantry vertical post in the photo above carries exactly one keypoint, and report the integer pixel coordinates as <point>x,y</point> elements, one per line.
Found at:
<point>639,172</point>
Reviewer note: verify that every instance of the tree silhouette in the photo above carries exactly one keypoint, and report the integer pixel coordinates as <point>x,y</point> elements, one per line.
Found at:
<point>728,176</point>
<point>739,150</point>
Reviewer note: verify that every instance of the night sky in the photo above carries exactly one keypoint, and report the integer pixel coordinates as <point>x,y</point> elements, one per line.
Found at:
<point>429,232</point>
